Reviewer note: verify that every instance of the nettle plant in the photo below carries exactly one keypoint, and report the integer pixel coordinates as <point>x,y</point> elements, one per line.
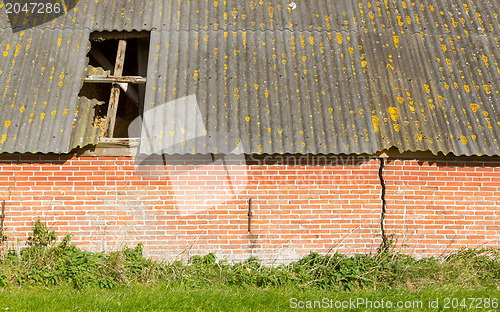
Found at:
<point>3,237</point>
<point>41,235</point>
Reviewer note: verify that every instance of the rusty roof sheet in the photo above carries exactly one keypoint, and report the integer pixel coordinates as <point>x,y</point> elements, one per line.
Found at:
<point>325,77</point>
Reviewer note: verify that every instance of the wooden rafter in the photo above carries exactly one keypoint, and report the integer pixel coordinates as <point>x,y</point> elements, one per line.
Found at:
<point>115,91</point>
<point>106,64</point>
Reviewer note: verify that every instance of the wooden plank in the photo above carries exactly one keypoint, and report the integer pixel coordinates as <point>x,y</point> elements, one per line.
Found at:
<point>101,59</point>
<point>106,64</point>
<point>115,79</point>
<point>122,141</point>
<point>109,127</point>
<point>118,142</point>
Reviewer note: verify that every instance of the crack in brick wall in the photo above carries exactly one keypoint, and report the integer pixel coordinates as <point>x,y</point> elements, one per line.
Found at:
<point>385,242</point>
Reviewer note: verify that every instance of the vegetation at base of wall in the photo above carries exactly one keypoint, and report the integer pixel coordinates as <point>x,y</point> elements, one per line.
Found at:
<point>44,263</point>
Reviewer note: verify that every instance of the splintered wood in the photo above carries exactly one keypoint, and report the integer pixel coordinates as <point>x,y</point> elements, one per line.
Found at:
<point>115,91</point>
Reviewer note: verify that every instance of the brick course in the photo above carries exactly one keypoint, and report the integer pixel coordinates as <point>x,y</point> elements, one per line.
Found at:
<point>437,206</point>
<point>179,206</point>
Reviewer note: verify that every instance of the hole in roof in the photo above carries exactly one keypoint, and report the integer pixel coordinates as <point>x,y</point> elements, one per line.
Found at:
<point>102,58</point>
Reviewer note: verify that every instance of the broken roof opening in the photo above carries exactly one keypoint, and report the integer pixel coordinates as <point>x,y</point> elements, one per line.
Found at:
<point>115,80</point>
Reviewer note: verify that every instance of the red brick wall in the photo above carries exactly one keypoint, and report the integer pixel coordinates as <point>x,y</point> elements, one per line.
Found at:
<point>437,206</point>
<point>193,205</point>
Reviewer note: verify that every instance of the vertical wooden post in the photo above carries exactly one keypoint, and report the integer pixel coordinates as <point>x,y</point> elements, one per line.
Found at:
<point>103,61</point>
<point>115,91</point>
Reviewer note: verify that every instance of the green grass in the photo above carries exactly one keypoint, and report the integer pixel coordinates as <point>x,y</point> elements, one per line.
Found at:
<point>49,277</point>
<point>165,298</point>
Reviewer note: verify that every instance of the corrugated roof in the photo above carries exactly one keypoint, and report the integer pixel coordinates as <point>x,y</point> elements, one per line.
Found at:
<point>96,15</point>
<point>324,92</point>
<point>419,16</point>
<point>398,17</point>
<point>325,77</point>
<point>278,91</point>
<point>437,93</point>
<point>40,77</point>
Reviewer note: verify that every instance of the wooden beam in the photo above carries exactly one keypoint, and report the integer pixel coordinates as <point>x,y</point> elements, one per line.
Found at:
<point>106,64</point>
<point>109,127</point>
<point>119,141</point>
<point>101,59</point>
<point>115,79</point>
<point>130,92</point>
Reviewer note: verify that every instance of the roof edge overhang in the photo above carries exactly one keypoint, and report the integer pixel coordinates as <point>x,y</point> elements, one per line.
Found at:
<point>127,147</point>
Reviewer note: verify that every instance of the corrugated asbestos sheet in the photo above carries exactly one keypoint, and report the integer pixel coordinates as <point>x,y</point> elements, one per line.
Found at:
<point>95,15</point>
<point>324,92</point>
<point>325,77</point>
<point>40,77</point>
<point>419,16</point>
<point>278,91</point>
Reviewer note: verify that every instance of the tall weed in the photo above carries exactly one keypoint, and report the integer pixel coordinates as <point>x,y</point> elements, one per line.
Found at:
<point>45,263</point>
